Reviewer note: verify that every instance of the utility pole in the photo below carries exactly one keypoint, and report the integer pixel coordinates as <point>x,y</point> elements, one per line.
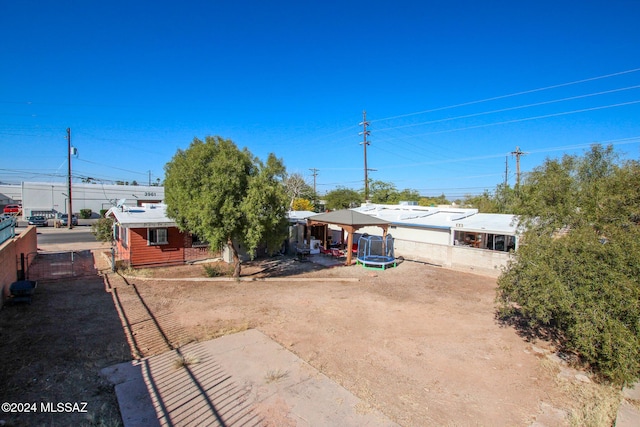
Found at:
<point>506,171</point>
<point>315,174</point>
<point>149,178</point>
<point>70,211</point>
<point>517,153</point>
<point>364,142</point>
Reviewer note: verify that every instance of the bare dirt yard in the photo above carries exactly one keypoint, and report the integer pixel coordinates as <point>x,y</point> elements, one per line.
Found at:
<point>419,343</point>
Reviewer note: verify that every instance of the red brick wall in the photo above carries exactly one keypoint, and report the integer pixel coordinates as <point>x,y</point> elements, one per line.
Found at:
<point>195,253</point>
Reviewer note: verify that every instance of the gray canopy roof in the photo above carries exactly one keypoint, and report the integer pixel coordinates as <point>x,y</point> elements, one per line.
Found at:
<point>347,217</point>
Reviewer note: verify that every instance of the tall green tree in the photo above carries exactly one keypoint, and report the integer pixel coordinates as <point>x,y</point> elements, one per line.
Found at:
<point>382,192</point>
<point>577,271</point>
<point>226,195</point>
<point>342,198</point>
<point>407,195</point>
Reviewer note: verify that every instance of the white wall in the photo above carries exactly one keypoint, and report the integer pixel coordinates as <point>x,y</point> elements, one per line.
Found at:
<point>38,196</point>
<point>435,246</point>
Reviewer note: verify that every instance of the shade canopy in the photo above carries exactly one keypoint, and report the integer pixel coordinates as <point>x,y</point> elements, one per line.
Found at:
<point>350,221</point>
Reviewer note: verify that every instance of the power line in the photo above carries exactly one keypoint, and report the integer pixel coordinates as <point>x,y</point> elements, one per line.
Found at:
<point>519,107</point>
<point>494,98</point>
<point>545,116</point>
<point>621,141</point>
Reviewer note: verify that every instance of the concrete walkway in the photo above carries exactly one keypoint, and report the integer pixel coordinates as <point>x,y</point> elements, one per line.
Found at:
<point>240,379</point>
<point>628,413</point>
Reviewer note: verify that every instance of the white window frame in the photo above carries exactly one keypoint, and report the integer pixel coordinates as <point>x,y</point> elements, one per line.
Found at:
<point>155,236</point>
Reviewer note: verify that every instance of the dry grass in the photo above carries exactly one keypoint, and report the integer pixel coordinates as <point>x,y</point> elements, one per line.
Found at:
<point>138,272</point>
<point>184,360</point>
<point>207,333</point>
<point>275,375</point>
<point>595,404</point>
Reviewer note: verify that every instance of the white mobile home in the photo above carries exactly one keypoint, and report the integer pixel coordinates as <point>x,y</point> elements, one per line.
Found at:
<point>452,237</point>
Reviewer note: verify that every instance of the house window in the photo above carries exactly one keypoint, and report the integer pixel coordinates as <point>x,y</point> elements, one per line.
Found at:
<point>197,241</point>
<point>157,236</point>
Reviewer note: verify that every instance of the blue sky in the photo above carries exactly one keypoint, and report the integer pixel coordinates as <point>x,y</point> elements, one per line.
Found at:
<point>450,88</point>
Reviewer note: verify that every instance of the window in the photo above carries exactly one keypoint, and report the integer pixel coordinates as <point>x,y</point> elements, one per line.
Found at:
<point>157,236</point>
<point>197,241</point>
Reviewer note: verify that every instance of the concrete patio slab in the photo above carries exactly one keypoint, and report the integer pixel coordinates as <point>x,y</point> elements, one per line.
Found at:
<point>239,379</point>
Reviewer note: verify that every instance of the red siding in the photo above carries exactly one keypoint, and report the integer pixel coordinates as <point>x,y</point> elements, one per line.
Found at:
<point>142,254</point>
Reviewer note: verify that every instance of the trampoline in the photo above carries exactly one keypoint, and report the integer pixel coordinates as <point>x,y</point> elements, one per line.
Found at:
<point>376,252</point>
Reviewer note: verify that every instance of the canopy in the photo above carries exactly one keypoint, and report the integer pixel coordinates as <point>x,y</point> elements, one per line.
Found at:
<point>350,221</point>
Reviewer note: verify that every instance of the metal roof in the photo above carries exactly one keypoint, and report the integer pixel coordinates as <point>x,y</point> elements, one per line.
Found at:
<point>443,218</point>
<point>348,217</point>
<point>489,223</point>
<point>146,216</point>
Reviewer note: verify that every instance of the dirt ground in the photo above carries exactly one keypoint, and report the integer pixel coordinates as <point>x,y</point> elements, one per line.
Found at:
<point>417,342</point>
<point>52,350</point>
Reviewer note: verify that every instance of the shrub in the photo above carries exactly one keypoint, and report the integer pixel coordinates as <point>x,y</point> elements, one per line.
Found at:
<point>85,213</point>
<point>103,230</point>
<point>217,270</point>
<point>576,275</point>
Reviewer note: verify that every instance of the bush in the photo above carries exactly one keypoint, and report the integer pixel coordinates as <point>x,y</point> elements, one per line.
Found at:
<point>103,230</point>
<point>102,212</point>
<point>85,213</point>
<point>576,274</point>
<point>218,270</point>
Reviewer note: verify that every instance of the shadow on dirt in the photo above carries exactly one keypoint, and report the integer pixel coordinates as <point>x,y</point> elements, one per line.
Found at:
<point>53,349</point>
<point>282,267</point>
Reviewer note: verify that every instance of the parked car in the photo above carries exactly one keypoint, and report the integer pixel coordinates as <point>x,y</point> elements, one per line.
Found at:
<point>64,218</point>
<point>12,209</point>
<point>38,221</point>
<point>4,216</point>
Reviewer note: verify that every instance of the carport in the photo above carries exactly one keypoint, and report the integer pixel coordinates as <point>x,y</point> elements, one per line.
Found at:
<point>349,221</point>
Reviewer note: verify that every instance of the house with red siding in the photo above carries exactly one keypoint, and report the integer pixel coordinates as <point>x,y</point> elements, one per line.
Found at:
<point>146,237</point>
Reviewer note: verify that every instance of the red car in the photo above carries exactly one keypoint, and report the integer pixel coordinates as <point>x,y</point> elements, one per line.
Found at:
<point>10,209</point>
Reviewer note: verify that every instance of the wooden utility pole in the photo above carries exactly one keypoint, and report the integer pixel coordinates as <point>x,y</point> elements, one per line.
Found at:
<point>506,170</point>
<point>315,174</point>
<point>517,153</point>
<point>364,142</point>
<point>70,211</point>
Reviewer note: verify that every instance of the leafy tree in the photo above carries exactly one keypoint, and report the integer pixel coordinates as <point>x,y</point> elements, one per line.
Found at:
<point>302,205</point>
<point>433,201</point>
<point>576,274</point>
<point>407,195</point>
<point>383,192</point>
<point>386,193</point>
<point>103,230</point>
<point>342,198</point>
<point>484,202</point>
<point>226,195</point>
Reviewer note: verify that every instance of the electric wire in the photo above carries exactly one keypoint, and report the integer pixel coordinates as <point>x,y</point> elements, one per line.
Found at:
<point>494,98</point>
